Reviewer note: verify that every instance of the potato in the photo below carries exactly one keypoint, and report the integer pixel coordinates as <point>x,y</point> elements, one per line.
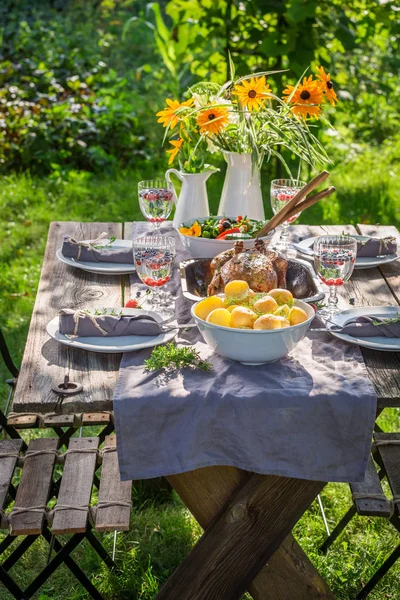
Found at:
<point>297,315</point>
<point>207,305</point>
<point>266,304</point>
<point>237,289</point>
<point>283,311</point>
<point>282,296</point>
<point>271,322</point>
<point>230,308</point>
<point>242,318</point>
<point>220,316</point>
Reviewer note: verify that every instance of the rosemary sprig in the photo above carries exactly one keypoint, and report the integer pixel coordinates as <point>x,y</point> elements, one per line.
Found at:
<point>173,358</point>
<point>389,321</point>
<point>99,312</point>
<point>110,242</point>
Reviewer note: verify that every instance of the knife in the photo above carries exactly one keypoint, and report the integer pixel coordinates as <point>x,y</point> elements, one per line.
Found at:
<point>303,250</point>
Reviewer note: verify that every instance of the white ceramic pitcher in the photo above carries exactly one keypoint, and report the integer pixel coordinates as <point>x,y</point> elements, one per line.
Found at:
<point>193,199</point>
<point>241,194</point>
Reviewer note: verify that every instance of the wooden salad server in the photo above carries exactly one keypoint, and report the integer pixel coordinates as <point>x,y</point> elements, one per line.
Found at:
<point>282,215</point>
<point>310,201</point>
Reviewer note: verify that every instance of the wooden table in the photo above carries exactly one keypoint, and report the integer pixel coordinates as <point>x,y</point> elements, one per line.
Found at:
<point>247,518</point>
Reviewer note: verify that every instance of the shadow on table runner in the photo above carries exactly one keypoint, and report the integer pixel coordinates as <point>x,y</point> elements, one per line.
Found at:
<point>309,415</point>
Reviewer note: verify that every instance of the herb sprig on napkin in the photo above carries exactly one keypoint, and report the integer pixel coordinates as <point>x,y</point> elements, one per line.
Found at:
<point>171,357</point>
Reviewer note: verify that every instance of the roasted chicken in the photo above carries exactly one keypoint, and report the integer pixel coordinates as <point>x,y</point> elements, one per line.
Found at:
<point>263,269</point>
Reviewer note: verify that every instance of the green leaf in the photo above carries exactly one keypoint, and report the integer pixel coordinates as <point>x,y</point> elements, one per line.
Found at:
<point>162,29</point>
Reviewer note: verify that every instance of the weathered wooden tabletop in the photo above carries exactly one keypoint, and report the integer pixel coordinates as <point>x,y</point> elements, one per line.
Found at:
<point>247,518</point>
<point>45,362</point>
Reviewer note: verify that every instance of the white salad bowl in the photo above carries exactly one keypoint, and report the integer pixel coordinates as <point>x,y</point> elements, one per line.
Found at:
<point>254,347</point>
<point>207,248</point>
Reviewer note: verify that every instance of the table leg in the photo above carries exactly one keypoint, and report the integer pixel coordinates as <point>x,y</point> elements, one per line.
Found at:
<point>289,573</point>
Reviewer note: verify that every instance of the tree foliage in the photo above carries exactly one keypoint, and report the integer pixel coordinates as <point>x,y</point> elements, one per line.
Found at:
<point>80,81</point>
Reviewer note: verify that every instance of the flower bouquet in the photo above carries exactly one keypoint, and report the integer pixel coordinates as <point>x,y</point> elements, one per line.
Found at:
<point>248,122</point>
<point>246,116</point>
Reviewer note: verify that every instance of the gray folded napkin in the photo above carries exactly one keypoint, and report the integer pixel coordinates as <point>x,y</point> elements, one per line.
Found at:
<point>79,323</point>
<point>372,327</point>
<point>92,252</point>
<point>376,247</point>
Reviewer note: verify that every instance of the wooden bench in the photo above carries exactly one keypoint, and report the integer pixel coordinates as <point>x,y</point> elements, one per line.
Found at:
<point>369,498</point>
<point>63,425</point>
<point>70,495</point>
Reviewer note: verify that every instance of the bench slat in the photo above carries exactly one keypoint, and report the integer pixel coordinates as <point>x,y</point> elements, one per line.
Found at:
<point>391,461</point>
<point>112,489</point>
<point>96,418</point>
<point>7,466</point>
<point>76,486</point>
<point>23,421</point>
<point>59,421</point>
<point>371,485</point>
<point>34,488</point>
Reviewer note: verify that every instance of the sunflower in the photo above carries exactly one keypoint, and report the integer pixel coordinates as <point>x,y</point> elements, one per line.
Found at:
<point>307,97</point>
<point>212,120</point>
<point>252,93</point>
<point>327,85</point>
<point>177,145</point>
<point>194,230</point>
<point>170,115</point>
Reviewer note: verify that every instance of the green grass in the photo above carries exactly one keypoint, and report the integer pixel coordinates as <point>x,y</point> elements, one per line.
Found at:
<point>162,529</point>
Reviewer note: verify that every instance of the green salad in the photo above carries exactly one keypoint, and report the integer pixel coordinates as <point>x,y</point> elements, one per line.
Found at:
<point>214,228</point>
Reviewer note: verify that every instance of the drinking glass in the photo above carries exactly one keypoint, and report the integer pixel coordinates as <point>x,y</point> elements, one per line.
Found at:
<point>334,258</point>
<point>155,200</point>
<point>154,261</point>
<point>283,190</point>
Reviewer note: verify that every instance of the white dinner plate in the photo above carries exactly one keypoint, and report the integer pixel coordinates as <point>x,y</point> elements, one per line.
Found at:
<point>363,262</point>
<point>375,343</point>
<point>113,345</point>
<point>100,268</point>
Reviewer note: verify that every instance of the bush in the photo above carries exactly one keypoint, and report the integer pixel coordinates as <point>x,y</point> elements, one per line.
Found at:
<point>62,103</point>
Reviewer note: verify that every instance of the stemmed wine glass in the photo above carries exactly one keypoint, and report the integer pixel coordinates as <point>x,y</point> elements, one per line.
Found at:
<point>283,190</point>
<point>334,258</point>
<point>155,200</point>
<point>154,261</point>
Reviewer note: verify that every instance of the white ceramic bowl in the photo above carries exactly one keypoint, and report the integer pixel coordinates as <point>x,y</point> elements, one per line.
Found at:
<point>254,347</point>
<point>206,248</point>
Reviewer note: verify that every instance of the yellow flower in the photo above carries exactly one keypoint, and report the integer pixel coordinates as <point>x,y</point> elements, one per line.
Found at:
<point>194,230</point>
<point>252,92</point>
<point>170,115</point>
<point>307,98</point>
<point>327,85</point>
<point>177,145</point>
<point>213,120</point>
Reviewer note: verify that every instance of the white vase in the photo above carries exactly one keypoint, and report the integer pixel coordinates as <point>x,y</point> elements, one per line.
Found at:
<point>193,200</point>
<point>241,194</point>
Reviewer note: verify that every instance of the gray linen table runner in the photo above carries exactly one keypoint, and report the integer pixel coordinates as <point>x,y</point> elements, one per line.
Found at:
<point>309,415</point>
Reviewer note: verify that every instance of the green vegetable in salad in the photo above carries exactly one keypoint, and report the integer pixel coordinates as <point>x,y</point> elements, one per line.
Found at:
<point>238,228</point>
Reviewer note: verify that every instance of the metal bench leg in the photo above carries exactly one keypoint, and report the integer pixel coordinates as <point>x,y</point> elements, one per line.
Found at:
<point>19,551</point>
<point>106,431</point>
<point>10,431</point>
<point>322,510</point>
<point>338,529</point>
<point>114,544</point>
<point>11,586</point>
<point>54,564</point>
<point>92,539</point>
<point>6,543</point>
<point>383,569</point>
<point>72,566</point>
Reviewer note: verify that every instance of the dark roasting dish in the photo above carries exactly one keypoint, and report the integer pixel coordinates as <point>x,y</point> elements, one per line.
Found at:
<point>301,279</point>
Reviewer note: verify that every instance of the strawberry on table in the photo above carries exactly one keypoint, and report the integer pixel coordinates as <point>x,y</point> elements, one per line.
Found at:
<point>132,303</point>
